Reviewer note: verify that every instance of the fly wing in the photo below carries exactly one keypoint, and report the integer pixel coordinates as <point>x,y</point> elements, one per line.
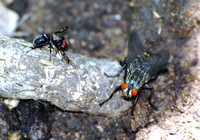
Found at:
<point>61,55</point>
<point>62,30</point>
<point>158,62</point>
<point>65,57</point>
<point>134,45</point>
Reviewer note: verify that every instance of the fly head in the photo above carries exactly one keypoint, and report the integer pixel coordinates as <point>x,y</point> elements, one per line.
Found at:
<point>128,91</point>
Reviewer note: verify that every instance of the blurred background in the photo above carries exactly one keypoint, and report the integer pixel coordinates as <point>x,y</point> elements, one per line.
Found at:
<point>100,28</point>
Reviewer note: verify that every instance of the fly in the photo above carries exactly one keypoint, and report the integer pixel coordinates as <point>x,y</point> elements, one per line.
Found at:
<point>141,67</point>
<point>55,42</point>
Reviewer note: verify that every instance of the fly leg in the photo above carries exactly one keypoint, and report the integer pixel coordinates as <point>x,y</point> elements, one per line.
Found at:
<point>134,103</point>
<point>117,89</point>
<point>146,86</point>
<point>50,46</point>
<point>34,47</point>
<point>123,67</point>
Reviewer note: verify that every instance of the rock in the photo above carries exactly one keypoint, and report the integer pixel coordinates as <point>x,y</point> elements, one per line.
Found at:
<point>8,20</point>
<point>79,86</point>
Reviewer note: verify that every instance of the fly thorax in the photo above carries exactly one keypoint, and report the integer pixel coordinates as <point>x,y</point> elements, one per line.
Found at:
<point>135,77</point>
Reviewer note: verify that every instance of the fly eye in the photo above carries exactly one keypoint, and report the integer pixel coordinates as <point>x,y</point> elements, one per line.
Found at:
<point>134,92</point>
<point>124,86</point>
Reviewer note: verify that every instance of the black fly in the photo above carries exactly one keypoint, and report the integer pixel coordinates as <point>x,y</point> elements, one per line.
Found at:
<point>141,66</point>
<point>55,42</point>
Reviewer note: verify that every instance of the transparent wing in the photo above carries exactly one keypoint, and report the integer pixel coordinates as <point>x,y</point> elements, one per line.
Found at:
<point>158,62</point>
<point>134,45</point>
<point>61,55</point>
<point>62,30</point>
<point>65,57</point>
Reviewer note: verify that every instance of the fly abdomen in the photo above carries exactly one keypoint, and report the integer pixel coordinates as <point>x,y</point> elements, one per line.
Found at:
<point>41,40</point>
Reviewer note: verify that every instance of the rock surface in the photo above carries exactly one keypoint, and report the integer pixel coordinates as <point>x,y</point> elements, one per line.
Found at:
<point>79,86</point>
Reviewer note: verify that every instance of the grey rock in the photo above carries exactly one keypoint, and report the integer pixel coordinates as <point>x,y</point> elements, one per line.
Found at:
<point>8,21</point>
<point>79,86</point>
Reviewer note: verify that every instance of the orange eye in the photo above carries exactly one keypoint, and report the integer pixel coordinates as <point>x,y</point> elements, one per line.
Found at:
<point>124,86</point>
<point>134,92</point>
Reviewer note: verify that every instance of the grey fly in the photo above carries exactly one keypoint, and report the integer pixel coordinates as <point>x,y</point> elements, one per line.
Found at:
<point>141,66</point>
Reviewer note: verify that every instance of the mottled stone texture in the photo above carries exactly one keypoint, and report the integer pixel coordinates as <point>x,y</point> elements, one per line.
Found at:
<point>79,86</point>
